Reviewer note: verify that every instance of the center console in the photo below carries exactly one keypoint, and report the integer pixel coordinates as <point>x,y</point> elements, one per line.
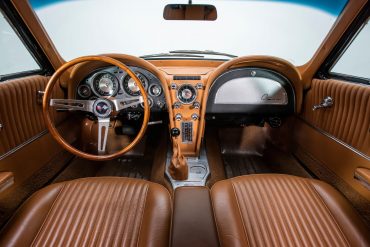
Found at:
<point>193,221</point>
<point>186,94</point>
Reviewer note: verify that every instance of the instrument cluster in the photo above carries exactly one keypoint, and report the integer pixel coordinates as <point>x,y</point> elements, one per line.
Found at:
<point>114,82</point>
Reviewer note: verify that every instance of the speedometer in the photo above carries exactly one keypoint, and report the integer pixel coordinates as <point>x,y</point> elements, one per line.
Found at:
<point>105,84</point>
<point>130,86</point>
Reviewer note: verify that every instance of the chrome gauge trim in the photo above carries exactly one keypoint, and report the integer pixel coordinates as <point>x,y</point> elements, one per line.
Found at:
<point>79,91</point>
<point>153,94</point>
<point>116,82</point>
<point>142,79</point>
<point>150,102</point>
<point>179,90</point>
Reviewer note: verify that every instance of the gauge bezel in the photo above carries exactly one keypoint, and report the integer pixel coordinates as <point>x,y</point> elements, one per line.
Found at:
<point>139,75</point>
<point>150,102</point>
<point>179,98</point>
<point>116,82</point>
<point>82,96</point>
<point>155,85</point>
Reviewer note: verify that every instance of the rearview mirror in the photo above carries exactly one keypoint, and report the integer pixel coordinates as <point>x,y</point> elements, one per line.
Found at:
<point>194,12</point>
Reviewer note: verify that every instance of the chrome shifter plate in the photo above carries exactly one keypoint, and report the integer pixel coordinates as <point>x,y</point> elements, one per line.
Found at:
<point>198,171</point>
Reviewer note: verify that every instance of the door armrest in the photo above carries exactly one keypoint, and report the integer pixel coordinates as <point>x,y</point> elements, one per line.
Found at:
<point>363,176</point>
<point>6,180</point>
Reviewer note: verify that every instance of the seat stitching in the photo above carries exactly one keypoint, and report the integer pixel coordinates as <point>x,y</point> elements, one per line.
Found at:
<point>327,208</point>
<point>142,215</point>
<point>240,213</point>
<point>48,213</point>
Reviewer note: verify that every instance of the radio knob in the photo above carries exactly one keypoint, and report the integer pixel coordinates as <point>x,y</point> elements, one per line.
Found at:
<point>178,117</point>
<point>199,85</point>
<point>196,105</point>
<point>175,132</point>
<point>160,104</point>
<point>176,105</point>
<point>195,116</point>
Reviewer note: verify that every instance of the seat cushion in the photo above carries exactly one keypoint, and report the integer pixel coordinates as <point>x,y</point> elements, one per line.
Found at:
<point>106,211</point>
<point>283,210</point>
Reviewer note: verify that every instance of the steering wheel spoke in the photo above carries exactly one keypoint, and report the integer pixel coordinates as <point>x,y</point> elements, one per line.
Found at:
<point>72,104</point>
<point>103,127</point>
<point>120,104</point>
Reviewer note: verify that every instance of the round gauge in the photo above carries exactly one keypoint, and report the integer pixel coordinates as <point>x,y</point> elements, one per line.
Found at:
<point>84,91</point>
<point>186,94</point>
<point>150,102</point>
<point>130,86</point>
<point>105,84</point>
<point>155,90</point>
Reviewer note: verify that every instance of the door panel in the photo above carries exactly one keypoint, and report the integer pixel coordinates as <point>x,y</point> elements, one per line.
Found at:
<point>334,142</point>
<point>20,114</point>
<point>25,144</point>
<point>348,119</point>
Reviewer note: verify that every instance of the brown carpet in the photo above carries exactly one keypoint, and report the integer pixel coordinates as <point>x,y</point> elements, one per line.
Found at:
<point>271,161</point>
<point>248,151</point>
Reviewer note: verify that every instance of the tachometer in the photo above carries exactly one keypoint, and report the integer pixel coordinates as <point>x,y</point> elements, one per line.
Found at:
<point>105,84</point>
<point>130,86</point>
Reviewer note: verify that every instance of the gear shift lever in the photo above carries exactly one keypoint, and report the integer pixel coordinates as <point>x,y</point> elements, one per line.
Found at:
<point>178,168</point>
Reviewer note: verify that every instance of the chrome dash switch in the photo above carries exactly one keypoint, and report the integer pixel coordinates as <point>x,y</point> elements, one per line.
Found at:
<point>196,105</point>
<point>199,85</point>
<point>195,117</point>
<point>176,105</point>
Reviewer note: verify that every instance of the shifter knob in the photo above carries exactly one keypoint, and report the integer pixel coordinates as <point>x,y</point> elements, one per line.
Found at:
<point>175,132</point>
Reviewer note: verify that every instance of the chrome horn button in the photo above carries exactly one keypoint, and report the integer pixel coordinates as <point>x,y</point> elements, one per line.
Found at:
<point>102,108</point>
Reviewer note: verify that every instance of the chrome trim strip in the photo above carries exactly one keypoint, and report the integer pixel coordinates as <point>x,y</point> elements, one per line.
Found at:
<point>32,139</point>
<point>336,139</point>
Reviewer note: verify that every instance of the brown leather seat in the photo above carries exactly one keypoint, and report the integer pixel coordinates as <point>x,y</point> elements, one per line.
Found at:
<point>282,210</point>
<point>93,212</point>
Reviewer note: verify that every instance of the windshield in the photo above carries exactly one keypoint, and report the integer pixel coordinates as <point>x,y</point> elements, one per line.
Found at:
<point>290,29</point>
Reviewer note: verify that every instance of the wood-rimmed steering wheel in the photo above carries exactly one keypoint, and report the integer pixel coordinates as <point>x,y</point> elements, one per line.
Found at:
<point>102,108</point>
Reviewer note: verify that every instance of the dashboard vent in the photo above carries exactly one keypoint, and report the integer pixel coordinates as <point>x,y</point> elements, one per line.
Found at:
<point>186,78</point>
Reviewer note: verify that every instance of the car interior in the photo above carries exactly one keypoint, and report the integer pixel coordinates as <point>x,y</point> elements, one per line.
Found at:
<point>184,123</point>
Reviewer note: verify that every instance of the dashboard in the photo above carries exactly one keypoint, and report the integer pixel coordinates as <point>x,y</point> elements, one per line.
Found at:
<point>190,94</point>
<point>114,82</point>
